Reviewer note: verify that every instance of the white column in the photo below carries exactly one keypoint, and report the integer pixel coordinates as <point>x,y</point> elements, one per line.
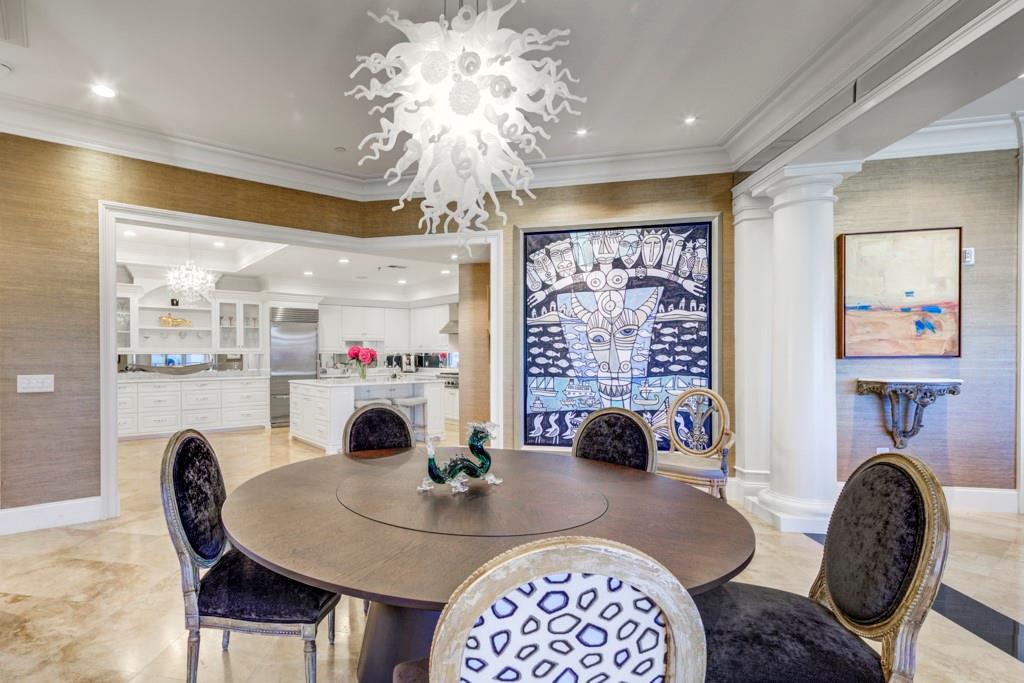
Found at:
<point>802,481</point>
<point>752,227</point>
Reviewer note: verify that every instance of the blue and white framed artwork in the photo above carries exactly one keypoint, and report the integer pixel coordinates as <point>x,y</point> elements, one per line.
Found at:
<point>613,317</point>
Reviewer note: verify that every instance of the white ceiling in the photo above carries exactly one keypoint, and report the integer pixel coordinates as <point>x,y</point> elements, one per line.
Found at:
<point>282,267</point>
<point>262,81</point>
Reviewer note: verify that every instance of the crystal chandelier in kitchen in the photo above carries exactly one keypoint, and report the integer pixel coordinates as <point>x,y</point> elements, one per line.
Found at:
<point>469,98</point>
<point>189,282</point>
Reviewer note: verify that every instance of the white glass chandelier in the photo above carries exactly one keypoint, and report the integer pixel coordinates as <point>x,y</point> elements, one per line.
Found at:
<point>470,100</point>
<point>189,282</point>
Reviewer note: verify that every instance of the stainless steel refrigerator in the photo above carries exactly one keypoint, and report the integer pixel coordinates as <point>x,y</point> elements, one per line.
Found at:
<point>293,355</point>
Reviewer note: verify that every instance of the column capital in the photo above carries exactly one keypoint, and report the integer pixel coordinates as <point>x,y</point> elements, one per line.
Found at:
<point>804,183</point>
<point>746,207</point>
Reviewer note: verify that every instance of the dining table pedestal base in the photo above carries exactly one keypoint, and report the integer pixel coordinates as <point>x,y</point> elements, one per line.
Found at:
<point>394,635</point>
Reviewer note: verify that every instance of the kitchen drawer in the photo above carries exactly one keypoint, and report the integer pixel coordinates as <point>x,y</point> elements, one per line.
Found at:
<point>200,399</point>
<point>125,389</point>
<point>256,383</point>
<point>127,424</point>
<point>127,403</point>
<point>204,385</point>
<point>159,402</point>
<point>319,431</point>
<point>235,417</point>
<point>244,397</point>
<point>160,388</point>
<point>300,390</point>
<point>200,418</point>
<point>160,422</point>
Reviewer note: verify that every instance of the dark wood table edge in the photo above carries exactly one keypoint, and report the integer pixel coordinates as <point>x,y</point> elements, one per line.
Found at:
<point>437,606</point>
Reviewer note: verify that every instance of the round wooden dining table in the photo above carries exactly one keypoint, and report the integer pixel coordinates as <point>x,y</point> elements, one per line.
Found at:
<point>357,525</point>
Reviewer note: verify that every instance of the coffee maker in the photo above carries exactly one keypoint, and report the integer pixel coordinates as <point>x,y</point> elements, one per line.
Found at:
<point>408,362</point>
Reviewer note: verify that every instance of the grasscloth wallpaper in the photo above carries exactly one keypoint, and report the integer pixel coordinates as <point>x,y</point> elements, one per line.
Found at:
<point>49,282</point>
<point>968,439</point>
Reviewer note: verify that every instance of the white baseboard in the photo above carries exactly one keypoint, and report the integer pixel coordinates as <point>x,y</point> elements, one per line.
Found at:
<point>46,515</point>
<point>971,499</point>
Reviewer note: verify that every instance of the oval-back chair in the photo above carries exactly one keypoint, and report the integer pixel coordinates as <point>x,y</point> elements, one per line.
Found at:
<point>618,436</point>
<point>699,428</point>
<point>376,426</point>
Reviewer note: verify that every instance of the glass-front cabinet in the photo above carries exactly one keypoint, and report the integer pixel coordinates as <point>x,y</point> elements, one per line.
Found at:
<point>239,325</point>
<point>124,324</point>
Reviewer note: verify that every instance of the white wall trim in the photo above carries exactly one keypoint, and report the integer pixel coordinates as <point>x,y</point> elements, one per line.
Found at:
<point>971,499</point>
<point>45,515</point>
<point>955,136</point>
<point>1018,122</point>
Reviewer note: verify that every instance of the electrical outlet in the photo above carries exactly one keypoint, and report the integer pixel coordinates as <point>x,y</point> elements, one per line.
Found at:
<point>35,384</point>
<point>968,256</point>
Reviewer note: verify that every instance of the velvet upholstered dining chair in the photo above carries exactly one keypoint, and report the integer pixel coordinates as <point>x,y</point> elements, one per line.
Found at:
<point>699,428</point>
<point>376,426</point>
<point>566,609</point>
<point>234,593</point>
<point>884,555</point>
<point>618,436</point>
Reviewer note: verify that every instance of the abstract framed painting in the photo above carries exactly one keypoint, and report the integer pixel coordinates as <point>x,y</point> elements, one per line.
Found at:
<point>899,294</point>
<point>613,317</point>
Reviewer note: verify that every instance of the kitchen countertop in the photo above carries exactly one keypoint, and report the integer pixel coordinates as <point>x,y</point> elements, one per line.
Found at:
<point>195,377</point>
<point>368,382</point>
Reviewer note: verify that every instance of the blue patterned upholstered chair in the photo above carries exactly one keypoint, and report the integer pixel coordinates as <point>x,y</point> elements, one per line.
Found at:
<point>618,436</point>
<point>376,426</point>
<point>884,555</point>
<point>234,593</point>
<point>701,435</point>
<point>566,609</point>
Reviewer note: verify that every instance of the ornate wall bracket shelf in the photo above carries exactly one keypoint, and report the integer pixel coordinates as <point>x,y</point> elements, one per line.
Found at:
<point>901,393</point>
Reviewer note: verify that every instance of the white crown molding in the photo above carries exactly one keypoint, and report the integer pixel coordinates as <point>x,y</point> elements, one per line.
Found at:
<point>814,82</point>
<point>64,126</point>
<point>955,136</point>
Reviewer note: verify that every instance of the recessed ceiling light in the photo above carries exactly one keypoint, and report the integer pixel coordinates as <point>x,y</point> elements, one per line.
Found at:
<point>581,132</point>
<point>218,244</point>
<point>446,272</point>
<point>129,233</point>
<point>454,257</point>
<point>401,282</point>
<point>690,120</point>
<point>343,260</point>
<point>339,149</point>
<point>307,273</point>
<point>103,90</point>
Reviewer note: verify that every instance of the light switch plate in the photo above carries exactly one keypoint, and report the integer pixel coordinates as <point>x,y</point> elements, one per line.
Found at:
<point>968,256</point>
<point>35,384</point>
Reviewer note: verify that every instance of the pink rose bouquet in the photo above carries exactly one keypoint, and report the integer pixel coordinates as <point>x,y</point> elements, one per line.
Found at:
<point>362,356</point>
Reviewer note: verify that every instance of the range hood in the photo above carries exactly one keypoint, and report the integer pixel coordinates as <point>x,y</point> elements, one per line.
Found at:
<point>452,326</point>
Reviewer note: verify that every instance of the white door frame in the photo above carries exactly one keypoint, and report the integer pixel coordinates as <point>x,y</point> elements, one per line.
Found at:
<point>522,229</point>
<point>114,215</point>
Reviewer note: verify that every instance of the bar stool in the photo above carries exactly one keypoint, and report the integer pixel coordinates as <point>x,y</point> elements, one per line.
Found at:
<point>360,402</point>
<point>408,405</point>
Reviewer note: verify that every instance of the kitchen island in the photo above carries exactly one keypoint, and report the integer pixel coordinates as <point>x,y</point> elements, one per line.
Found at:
<point>321,407</point>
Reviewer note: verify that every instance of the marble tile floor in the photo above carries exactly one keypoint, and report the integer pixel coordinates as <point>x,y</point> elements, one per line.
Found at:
<point>102,601</point>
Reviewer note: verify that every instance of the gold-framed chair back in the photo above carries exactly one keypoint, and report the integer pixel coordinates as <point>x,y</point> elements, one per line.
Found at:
<point>518,586</point>
<point>686,461</point>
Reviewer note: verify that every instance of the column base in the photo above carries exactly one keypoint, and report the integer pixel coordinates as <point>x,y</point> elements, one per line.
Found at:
<point>746,483</point>
<point>788,514</point>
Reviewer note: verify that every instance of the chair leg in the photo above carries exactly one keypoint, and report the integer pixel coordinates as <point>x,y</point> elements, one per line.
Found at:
<point>310,649</point>
<point>193,656</point>
<point>721,492</point>
<point>225,640</point>
<point>330,627</point>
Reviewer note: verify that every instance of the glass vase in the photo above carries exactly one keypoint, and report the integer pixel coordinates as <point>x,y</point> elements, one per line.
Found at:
<point>362,371</point>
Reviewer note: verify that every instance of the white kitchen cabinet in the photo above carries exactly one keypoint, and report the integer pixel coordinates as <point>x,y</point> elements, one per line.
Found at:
<point>152,407</point>
<point>396,329</point>
<point>425,328</point>
<point>331,336</point>
<point>239,324</point>
<point>362,323</point>
<point>451,404</point>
